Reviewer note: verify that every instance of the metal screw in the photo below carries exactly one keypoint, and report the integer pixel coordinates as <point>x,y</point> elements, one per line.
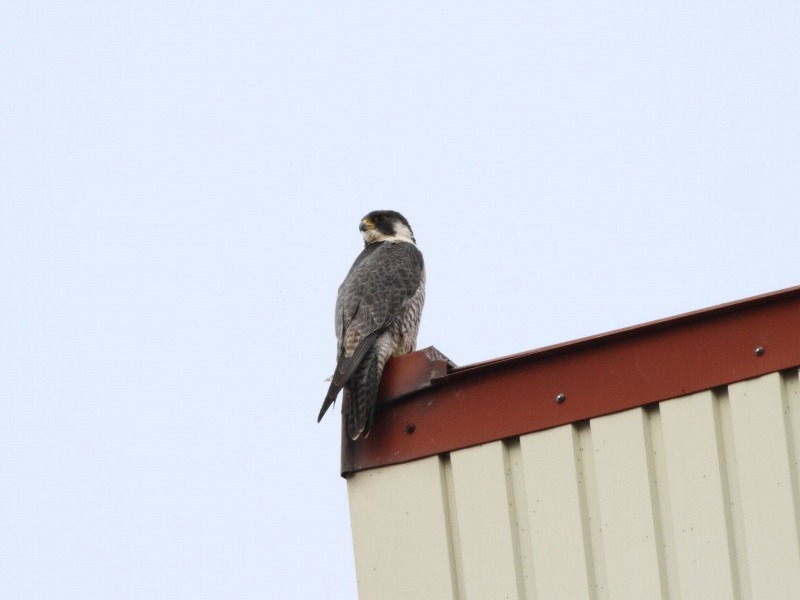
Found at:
<point>760,351</point>
<point>560,398</point>
<point>410,428</point>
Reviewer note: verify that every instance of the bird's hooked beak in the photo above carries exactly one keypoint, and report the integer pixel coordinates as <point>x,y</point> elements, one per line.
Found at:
<point>366,225</point>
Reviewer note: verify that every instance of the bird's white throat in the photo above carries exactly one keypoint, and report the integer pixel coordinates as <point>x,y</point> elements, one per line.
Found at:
<point>401,234</point>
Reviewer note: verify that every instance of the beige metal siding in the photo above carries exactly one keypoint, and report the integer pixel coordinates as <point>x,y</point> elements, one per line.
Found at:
<point>698,492</point>
<point>401,525</point>
<point>695,497</point>
<point>765,460</point>
<point>557,513</point>
<point>483,496</point>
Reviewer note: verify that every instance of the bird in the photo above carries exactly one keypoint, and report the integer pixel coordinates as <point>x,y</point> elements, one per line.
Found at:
<point>378,309</point>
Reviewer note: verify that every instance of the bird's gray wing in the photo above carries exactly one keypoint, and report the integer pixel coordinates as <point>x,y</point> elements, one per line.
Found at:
<point>381,280</point>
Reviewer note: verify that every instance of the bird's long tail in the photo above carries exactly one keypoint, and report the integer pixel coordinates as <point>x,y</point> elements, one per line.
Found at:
<point>363,396</point>
<point>330,398</point>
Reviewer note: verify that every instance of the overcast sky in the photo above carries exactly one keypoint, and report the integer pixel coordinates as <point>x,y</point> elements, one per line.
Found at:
<point>180,189</point>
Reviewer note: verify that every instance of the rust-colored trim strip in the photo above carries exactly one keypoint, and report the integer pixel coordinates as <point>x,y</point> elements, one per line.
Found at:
<point>579,380</point>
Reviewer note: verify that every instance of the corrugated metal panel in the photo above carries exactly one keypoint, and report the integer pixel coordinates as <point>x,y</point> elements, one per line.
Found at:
<point>695,497</point>
<point>401,527</point>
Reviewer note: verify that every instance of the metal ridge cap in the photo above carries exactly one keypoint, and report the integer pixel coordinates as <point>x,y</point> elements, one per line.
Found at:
<point>617,334</point>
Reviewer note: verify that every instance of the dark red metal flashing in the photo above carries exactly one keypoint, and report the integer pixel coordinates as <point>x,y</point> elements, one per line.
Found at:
<point>412,373</point>
<point>430,407</point>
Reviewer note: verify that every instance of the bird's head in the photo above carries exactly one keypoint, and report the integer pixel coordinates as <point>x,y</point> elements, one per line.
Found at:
<point>386,226</point>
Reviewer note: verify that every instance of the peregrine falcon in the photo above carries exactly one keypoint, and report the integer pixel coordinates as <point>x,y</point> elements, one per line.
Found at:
<point>377,314</point>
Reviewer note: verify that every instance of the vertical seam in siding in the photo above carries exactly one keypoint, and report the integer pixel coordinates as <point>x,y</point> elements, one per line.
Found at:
<point>662,509</point>
<point>513,517</point>
<point>731,490</point>
<point>727,502</point>
<point>788,380</point>
<point>523,520</point>
<point>595,525</point>
<point>588,554</point>
<point>793,406</point>
<point>659,499</point>
<point>451,524</point>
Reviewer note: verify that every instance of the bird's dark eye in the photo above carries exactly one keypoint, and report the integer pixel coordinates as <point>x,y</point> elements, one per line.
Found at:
<point>380,218</point>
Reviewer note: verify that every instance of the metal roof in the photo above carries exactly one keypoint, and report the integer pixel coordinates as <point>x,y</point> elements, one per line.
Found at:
<point>429,406</point>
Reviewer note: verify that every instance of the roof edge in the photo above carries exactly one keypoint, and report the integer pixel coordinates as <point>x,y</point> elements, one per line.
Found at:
<point>427,411</point>
<point>642,328</point>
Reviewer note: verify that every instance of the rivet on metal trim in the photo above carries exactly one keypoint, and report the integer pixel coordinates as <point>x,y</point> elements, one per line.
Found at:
<point>410,428</point>
<point>560,398</point>
<point>760,351</point>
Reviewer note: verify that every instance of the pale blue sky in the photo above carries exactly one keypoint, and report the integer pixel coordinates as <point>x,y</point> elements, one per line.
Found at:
<point>180,190</point>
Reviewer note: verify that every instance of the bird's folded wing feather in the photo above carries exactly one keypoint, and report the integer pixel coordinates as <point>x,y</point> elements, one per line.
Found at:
<point>381,280</point>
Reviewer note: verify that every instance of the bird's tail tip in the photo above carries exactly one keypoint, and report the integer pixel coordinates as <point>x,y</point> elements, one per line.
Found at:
<point>324,409</point>
<point>333,392</point>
